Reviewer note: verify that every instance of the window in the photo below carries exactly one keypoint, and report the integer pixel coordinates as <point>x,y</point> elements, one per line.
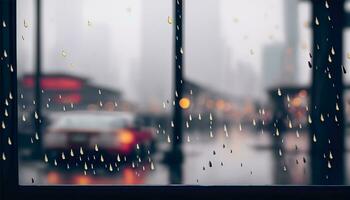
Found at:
<point>221,93</point>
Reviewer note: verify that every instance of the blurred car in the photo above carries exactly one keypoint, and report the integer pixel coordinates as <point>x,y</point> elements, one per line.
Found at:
<point>89,132</point>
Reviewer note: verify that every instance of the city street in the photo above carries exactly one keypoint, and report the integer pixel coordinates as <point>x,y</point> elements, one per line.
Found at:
<point>242,158</point>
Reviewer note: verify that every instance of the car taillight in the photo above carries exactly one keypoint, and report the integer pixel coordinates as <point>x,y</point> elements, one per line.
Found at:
<point>125,137</point>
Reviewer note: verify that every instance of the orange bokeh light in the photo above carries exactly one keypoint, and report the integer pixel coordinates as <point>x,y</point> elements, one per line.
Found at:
<point>185,103</point>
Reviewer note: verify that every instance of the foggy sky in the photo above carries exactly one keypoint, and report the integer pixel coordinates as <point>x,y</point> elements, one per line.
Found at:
<point>111,51</point>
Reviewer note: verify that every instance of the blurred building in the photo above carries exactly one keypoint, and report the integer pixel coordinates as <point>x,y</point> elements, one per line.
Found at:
<point>206,55</point>
<point>154,74</point>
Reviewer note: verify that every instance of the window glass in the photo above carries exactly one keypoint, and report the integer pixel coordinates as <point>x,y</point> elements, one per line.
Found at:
<point>103,113</point>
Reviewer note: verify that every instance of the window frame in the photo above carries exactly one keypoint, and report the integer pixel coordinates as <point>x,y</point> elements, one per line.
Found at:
<point>10,188</point>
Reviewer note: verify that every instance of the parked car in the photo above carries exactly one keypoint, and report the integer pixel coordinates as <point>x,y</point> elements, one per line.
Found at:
<point>96,133</point>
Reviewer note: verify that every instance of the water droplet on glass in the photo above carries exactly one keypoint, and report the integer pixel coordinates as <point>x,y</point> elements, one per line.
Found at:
<point>63,53</point>
<point>279,92</point>
<point>314,138</point>
<point>211,134</point>
<point>96,147</point>
<point>321,118</point>
<point>333,51</point>
<point>170,20</point>
<point>316,21</point>
<point>46,159</point>
<point>309,119</point>
<point>329,59</point>
<point>168,139</point>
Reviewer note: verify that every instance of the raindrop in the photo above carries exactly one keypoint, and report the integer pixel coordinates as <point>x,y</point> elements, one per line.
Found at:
<point>118,158</point>
<point>240,127</point>
<point>316,21</point>
<point>309,119</point>
<point>297,133</point>
<point>210,164</point>
<point>81,151</point>
<point>329,164</point>
<point>168,139</point>
<point>85,166</point>
<point>110,168</point>
<point>63,156</point>
<point>309,63</point>
<point>55,162</point>
<point>211,134</point>
<point>329,59</point>
<point>172,124</point>
<point>330,155</point>
<point>279,92</point>
<point>25,24</point>
<point>9,141</point>
<point>188,139</point>
<point>284,168</point>
<point>333,51</point>
<point>96,147</point>
<point>63,53</point>
<point>3,156</point>
<point>71,152</point>
<point>199,116</point>
<point>36,115</point>
<point>321,118</point>
<point>336,106</point>
<point>102,159</point>
<point>277,132</point>
<point>314,138</point>
<point>46,159</point>
<point>344,70</point>
<point>5,54</point>
<point>280,152</point>
<point>4,24</point>
<point>326,4</point>
<point>3,126</point>
<point>170,20</point>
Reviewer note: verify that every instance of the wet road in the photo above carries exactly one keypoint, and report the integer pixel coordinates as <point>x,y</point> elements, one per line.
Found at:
<point>243,158</point>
